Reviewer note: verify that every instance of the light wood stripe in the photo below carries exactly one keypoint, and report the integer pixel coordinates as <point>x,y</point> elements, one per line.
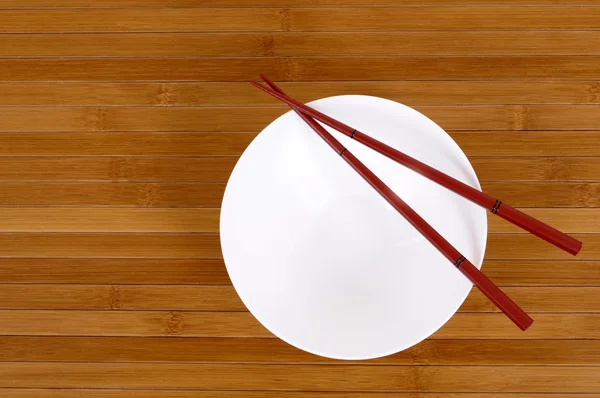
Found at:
<point>218,169</point>
<point>303,68</point>
<point>577,220</point>
<point>121,194</point>
<point>239,94</point>
<point>16,4</point>
<point>301,19</point>
<point>224,298</point>
<point>166,393</point>
<point>301,44</point>
<point>302,377</point>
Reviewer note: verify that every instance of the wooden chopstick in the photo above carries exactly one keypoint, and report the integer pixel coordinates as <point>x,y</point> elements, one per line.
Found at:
<point>487,287</point>
<point>520,219</point>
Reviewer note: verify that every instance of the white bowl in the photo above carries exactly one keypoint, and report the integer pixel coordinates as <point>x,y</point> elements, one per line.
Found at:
<point>321,260</point>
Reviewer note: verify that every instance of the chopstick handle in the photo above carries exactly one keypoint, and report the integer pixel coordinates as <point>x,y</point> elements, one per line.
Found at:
<point>509,213</point>
<point>538,228</point>
<point>496,296</point>
<point>528,223</point>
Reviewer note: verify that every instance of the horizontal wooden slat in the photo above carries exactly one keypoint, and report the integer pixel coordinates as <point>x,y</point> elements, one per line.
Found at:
<point>540,299</point>
<point>119,297</point>
<point>545,194</point>
<point>239,94</point>
<point>521,246</point>
<point>119,194</point>
<point>243,324</point>
<point>303,68</point>
<point>195,194</point>
<point>218,169</point>
<point>207,220</point>
<point>480,117</point>
<point>143,270</point>
<point>121,143</point>
<point>532,168</point>
<point>521,143</point>
<point>195,245</point>
<point>166,393</point>
<point>565,220</point>
<point>211,169</point>
<point>300,44</point>
<point>302,377</point>
<point>253,350</point>
<point>313,19</point>
<point>150,245</point>
<point>16,4</point>
<point>212,271</point>
<point>224,298</point>
<point>509,143</point>
<point>110,220</point>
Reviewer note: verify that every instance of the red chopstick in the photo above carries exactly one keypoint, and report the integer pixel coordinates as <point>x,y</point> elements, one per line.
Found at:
<point>520,219</point>
<point>487,287</point>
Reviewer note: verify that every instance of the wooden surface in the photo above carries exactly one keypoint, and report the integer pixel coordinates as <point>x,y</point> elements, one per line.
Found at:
<point>121,121</point>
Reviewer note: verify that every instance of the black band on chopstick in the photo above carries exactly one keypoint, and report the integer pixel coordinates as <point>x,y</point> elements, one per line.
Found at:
<point>353,131</point>
<point>342,153</point>
<point>496,206</point>
<point>459,261</point>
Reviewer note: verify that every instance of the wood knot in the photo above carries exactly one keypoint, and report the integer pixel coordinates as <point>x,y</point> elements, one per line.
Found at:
<point>285,19</point>
<point>115,299</point>
<point>146,195</point>
<point>174,323</point>
<point>267,44</point>
<point>102,120</point>
<point>521,117</point>
<point>557,170</point>
<point>121,169</point>
<point>165,95</point>
<point>287,68</point>
<point>594,92</point>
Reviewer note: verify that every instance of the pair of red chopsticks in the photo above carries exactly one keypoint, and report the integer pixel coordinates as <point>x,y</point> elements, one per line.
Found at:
<point>497,296</point>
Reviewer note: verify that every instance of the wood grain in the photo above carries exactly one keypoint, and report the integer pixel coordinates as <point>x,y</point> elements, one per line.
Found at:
<point>296,19</point>
<point>302,377</point>
<point>218,169</point>
<point>300,44</point>
<point>118,194</point>
<point>224,298</point>
<point>571,220</point>
<point>480,143</point>
<point>516,67</point>
<point>16,4</point>
<point>243,324</point>
<point>239,94</point>
<point>489,117</point>
<point>151,245</point>
<point>200,194</point>
<point>197,245</point>
<point>121,121</point>
<point>133,271</point>
<point>162,393</point>
<point>264,351</point>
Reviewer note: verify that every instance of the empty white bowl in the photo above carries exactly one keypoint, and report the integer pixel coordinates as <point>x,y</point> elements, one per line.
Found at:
<point>325,263</point>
